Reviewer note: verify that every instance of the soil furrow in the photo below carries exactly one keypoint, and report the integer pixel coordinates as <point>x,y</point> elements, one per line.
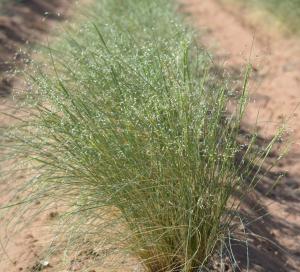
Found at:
<point>24,23</point>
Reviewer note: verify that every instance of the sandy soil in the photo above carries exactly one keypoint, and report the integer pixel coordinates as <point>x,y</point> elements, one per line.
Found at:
<point>21,26</point>
<point>275,96</point>
<point>24,23</point>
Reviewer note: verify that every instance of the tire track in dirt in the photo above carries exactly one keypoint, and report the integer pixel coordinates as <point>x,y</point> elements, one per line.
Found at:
<point>275,96</point>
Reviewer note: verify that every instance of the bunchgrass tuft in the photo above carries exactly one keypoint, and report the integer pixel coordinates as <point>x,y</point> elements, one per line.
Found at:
<point>130,129</point>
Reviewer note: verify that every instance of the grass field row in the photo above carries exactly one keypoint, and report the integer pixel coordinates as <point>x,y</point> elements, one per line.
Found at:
<point>130,126</point>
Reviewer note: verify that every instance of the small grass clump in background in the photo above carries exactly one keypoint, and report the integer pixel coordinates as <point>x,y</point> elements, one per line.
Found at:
<point>287,12</point>
<point>131,131</point>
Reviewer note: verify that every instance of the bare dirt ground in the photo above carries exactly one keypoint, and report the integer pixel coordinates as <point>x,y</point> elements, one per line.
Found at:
<point>22,25</point>
<point>275,96</point>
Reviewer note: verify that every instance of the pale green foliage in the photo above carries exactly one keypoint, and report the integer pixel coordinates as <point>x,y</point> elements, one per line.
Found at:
<point>127,117</point>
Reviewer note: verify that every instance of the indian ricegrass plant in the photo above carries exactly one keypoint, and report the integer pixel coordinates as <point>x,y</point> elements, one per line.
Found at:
<point>132,130</point>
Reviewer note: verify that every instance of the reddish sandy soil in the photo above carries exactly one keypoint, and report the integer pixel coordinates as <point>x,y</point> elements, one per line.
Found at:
<point>275,96</point>
<point>23,23</point>
<point>21,26</point>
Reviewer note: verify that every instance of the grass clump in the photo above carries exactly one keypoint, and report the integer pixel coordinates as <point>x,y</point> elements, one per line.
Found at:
<point>128,126</point>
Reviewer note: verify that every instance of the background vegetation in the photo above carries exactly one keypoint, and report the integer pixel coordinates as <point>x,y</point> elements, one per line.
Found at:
<point>286,11</point>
